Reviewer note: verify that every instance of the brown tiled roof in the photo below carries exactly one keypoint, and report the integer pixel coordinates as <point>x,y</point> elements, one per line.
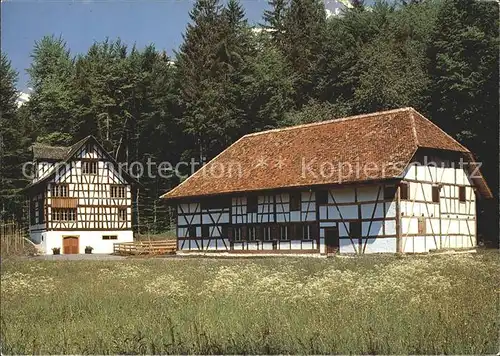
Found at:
<point>41,152</point>
<point>65,154</point>
<point>376,146</point>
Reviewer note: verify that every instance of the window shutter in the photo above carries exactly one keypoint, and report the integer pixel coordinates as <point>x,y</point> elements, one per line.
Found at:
<point>205,231</point>
<point>227,232</point>
<point>252,203</point>
<point>389,192</point>
<point>461,194</point>
<point>275,232</point>
<point>404,191</point>
<point>41,207</point>
<point>260,232</point>
<point>355,229</point>
<point>435,194</point>
<point>314,231</point>
<point>295,201</point>
<point>322,197</point>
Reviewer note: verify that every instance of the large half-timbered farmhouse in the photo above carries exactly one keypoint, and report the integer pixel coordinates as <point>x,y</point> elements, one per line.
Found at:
<point>79,197</point>
<point>385,182</point>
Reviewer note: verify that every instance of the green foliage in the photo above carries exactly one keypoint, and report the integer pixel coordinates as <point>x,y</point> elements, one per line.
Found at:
<point>463,67</point>
<point>439,56</point>
<point>56,138</point>
<point>13,142</point>
<point>370,305</point>
<point>304,27</point>
<point>274,20</point>
<point>51,73</point>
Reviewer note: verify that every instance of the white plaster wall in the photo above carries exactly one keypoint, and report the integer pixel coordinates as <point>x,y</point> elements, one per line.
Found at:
<point>344,195</point>
<point>380,245</point>
<point>86,238</point>
<point>369,193</point>
<point>375,209</point>
<point>346,246</point>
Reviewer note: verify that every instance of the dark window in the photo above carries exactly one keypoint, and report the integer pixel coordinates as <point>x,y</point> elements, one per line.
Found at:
<point>253,233</point>
<point>389,192</point>
<point>284,232</point>
<point>266,232</point>
<point>227,232</point>
<point>275,232</point>
<point>89,167</point>
<point>237,233</point>
<point>122,214</point>
<point>32,212</point>
<point>41,215</point>
<point>306,232</point>
<point>294,201</point>
<point>60,190</point>
<point>63,214</point>
<point>192,231</point>
<point>322,197</point>
<point>309,231</point>
<point>404,191</point>
<point>461,194</point>
<point>117,191</point>
<point>252,204</point>
<point>205,231</point>
<point>109,237</point>
<point>314,230</point>
<point>435,194</point>
<point>355,229</point>
<point>421,226</point>
<point>295,231</point>
<point>216,203</point>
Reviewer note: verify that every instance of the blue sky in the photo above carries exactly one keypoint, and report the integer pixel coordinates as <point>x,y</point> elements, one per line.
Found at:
<point>80,23</point>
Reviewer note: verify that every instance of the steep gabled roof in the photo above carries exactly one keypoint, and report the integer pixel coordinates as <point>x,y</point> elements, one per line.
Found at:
<point>66,154</point>
<point>44,152</point>
<point>383,142</point>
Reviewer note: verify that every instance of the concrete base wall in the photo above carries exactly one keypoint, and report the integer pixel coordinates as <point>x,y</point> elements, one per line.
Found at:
<point>51,239</point>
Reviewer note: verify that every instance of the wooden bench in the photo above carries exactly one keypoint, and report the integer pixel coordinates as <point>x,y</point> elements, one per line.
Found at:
<point>145,247</point>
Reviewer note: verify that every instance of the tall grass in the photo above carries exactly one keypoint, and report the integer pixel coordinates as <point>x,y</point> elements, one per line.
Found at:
<point>389,305</point>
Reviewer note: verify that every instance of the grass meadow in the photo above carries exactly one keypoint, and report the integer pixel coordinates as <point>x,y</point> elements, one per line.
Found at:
<point>445,304</point>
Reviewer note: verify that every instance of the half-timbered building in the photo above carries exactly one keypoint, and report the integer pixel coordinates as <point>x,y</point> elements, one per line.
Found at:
<point>384,182</point>
<point>79,197</point>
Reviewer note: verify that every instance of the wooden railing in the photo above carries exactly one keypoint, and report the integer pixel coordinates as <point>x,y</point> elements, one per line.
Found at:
<point>12,237</point>
<point>145,247</point>
<point>58,202</point>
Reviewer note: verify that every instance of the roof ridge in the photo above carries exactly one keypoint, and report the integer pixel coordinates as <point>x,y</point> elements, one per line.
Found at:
<point>51,146</point>
<point>342,119</point>
<point>199,171</point>
<point>414,128</point>
<point>440,129</point>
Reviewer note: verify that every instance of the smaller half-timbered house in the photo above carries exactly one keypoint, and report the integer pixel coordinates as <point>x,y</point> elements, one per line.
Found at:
<point>79,197</point>
<point>390,181</point>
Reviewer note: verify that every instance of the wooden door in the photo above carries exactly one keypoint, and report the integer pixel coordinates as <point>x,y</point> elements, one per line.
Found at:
<point>70,245</point>
<point>332,240</point>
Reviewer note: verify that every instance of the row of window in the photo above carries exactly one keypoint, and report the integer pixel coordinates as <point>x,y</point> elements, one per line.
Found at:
<point>37,211</point>
<point>89,167</point>
<point>264,232</point>
<point>405,192</point>
<point>62,190</point>
<point>69,214</point>
<point>322,198</point>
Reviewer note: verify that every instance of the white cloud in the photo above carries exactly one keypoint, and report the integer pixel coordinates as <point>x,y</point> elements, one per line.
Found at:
<point>23,98</point>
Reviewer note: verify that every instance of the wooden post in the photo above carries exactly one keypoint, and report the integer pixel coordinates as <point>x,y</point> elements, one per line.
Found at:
<point>399,242</point>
